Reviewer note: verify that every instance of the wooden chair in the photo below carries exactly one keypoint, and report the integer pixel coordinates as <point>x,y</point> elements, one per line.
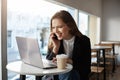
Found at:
<point>96,69</point>
<point>96,73</point>
<point>110,54</point>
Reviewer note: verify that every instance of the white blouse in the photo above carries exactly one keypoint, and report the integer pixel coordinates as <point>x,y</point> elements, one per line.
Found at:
<point>68,46</point>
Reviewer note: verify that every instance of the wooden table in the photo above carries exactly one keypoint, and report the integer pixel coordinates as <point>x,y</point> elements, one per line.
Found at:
<point>113,43</point>
<point>100,49</point>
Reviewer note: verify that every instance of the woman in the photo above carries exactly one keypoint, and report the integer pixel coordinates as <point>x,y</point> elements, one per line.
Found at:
<point>69,40</point>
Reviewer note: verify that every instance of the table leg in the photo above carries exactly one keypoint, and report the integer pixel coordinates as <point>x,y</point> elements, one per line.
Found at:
<point>38,77</point>
<point>22,77</point>
<point>113,69</point>
<point>98,62</point>
<point>55,77</point>
<point>104,64</point>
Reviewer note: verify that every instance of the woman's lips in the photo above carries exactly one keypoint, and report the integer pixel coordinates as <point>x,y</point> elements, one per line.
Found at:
<point>59,35</point>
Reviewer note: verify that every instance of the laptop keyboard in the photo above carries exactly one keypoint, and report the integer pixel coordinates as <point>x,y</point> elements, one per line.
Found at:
<point>49,64</point>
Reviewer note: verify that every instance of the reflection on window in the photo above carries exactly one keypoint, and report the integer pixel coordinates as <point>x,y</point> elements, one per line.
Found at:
<point>9,39</point>
<point>83,23</point>
<point>29,18</point>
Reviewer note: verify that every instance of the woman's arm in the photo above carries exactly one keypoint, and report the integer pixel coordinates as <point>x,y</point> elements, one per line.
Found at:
<point>53,47</point>
<point>50,55</point>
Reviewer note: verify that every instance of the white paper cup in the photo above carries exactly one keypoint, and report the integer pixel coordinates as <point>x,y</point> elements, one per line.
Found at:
<point>61,61</point>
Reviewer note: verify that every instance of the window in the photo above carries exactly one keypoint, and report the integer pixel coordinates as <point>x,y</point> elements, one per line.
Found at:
<point>29,20</point>
<point>83,23</point>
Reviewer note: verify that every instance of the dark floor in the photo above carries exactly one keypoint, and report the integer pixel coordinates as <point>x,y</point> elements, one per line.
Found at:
<point>116,75</point>
<point>109,74</point>
<point>113,76</point>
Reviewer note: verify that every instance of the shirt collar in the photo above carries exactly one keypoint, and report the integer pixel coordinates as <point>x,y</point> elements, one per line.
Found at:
<point>70,40</point>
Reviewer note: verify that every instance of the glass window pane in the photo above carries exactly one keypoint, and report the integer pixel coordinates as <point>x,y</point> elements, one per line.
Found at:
<point>29,20</point>
<point>83,23</point>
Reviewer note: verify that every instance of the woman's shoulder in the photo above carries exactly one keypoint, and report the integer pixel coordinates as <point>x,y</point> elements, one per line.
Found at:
<point>82,40</point>
<point>82,37</point>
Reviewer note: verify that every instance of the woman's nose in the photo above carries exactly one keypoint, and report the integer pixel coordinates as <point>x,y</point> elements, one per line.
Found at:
<point>56,30</point>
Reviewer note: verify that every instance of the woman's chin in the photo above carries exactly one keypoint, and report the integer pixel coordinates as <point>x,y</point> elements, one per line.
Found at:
<point>60,38</point>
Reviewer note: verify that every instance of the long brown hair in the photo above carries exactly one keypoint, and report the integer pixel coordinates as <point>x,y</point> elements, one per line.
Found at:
<point>68,20</point>
<point>66,17</point>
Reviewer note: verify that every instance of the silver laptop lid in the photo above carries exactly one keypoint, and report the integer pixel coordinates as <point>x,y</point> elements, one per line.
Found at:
<point>29,51</point>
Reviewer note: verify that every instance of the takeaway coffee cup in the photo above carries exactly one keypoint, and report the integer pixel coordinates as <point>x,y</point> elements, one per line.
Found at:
<point>61,61</point>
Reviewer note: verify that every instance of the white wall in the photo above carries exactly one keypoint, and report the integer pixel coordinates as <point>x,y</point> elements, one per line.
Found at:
<point>93,29</point>
<point>91,6</point>
<point>111,20</point>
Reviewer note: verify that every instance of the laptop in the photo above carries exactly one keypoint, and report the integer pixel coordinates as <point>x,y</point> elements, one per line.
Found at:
<point>30,53</point>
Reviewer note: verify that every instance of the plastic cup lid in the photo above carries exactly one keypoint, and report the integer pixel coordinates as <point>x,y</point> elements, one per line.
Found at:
<point>62,56</point>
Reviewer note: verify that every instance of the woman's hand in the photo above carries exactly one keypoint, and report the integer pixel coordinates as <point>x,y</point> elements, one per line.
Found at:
<point>56,43</point>
<point>69,61</point>
<point>54,59</point>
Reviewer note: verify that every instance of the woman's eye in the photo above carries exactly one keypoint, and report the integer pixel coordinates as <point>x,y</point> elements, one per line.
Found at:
<point>53,27</point>
<point>61,26</point>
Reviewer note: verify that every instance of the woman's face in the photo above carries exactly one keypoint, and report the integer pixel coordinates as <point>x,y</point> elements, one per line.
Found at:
<point>60,29</point>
